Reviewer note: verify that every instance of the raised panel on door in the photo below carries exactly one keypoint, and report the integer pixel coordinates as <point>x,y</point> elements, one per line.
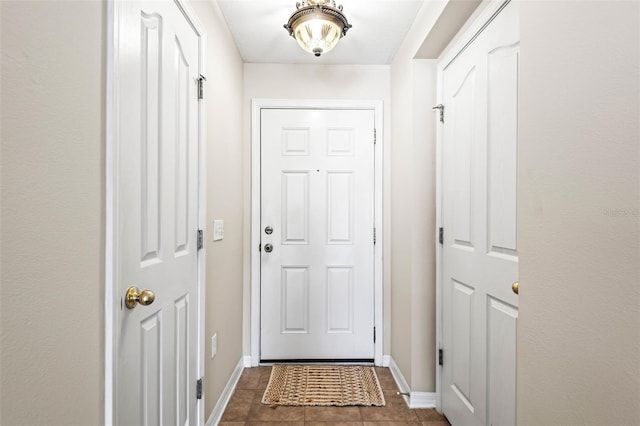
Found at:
<point>340,141</point>
<point>502,136</point>
<point>150,363</point>
<point>295,299</point>
<point>340,202</point>
<point>181,107</point>
<point>183,332</point>
<point>501,368</point>
<point>150,131</point>
<point>295,141</point>
<point>462,140</point>
<point>295,207</point>
<point>340,299</point>
<point>462,346</point>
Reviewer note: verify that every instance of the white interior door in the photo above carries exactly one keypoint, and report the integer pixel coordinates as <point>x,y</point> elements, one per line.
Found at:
<point>157,193</point>
<point>480,253</point>
<point>317,261</point>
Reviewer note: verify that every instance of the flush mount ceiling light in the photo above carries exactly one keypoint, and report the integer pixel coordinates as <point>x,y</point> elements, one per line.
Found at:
<point>317,25</point>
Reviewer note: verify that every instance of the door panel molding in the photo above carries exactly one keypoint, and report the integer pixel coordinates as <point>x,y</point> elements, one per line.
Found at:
<point>342,144</point>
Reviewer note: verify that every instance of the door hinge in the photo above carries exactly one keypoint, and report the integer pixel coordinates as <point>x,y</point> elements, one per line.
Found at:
<point>199,389</point>
<point>374,334</point>
<point>441,235</point>
<point>200,239</point>
<point>201,81</point>
<point>374,236</point>
<point>440,108</point>
<point>440,357</point>
<point>375,136</point>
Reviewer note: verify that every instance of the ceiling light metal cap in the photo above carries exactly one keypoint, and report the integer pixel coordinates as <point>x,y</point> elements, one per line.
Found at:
<point>305,13</point>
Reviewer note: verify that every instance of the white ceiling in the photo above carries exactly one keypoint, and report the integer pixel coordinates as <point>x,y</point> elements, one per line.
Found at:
<point>379,26</point>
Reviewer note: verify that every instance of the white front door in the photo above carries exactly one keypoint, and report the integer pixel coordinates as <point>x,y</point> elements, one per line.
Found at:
<point>480,253</point>
<point>157,200</point>
<point>317,220</point>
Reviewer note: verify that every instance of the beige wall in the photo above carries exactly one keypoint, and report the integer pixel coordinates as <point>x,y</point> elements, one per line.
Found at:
<point>423,237</point>
<point>579,220</point>
<point>413,206</point>
<point>276,81</point>
<point>52,242</point>
<point>224,200</point>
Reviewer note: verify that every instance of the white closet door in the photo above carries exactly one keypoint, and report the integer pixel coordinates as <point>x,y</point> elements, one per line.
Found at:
<point>158,68</point>
<point>480,253</point>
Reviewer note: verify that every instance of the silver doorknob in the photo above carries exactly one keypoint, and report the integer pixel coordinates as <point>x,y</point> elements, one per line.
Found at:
<point>268,248</point>
<point>135,296</point>
<point>268,230</point>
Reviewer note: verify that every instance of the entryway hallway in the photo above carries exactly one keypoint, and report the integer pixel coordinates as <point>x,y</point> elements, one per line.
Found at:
<point>245,407</point>
<point>577,226</point>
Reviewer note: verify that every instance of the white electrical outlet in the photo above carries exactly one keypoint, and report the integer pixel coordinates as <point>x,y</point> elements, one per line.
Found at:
<point>214,345</point>
<point>218,230</point>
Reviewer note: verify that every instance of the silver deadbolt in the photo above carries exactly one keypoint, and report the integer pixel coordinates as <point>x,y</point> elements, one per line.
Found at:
<point>268,230</point>
<point>268,248</point>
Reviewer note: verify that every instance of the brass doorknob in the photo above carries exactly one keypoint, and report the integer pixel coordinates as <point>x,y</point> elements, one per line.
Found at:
<point>514,287</point>
<point>135,296</point>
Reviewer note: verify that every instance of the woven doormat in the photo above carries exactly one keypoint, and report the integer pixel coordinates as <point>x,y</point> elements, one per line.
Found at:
<point>323,385</point>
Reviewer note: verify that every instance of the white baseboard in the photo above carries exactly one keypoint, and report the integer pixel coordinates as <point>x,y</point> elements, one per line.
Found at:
<point>422,400</point>
<point>412,399</point>
<point>400,380</point>
<point>386,359</point>
<point>221,405</point>
<point>247,361</point>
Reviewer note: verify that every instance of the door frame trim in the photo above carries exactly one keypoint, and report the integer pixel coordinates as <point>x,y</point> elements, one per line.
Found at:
<point>256,106</point>
<point>480,21</point>
<point>112,203</point>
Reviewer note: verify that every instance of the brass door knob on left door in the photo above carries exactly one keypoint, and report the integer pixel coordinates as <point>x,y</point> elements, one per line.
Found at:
<point>135,296</point>
<point>514,287</point>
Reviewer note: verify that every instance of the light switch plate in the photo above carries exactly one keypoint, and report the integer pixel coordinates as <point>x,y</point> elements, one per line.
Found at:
<point>218,230</point>
<point>214,345</point>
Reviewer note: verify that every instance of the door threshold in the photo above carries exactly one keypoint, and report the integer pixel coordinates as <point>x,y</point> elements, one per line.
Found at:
<point>338,361</point>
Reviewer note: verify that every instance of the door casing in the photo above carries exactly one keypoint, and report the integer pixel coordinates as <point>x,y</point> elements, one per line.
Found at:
<point>111,296</point>
<point>256,106</point>
<point>483,19</point>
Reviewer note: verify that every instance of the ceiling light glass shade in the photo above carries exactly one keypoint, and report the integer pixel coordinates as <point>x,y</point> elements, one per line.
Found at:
<point>317,25</point>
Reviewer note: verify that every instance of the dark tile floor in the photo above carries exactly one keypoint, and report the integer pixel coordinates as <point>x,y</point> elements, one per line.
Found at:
<point>245,407</point>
